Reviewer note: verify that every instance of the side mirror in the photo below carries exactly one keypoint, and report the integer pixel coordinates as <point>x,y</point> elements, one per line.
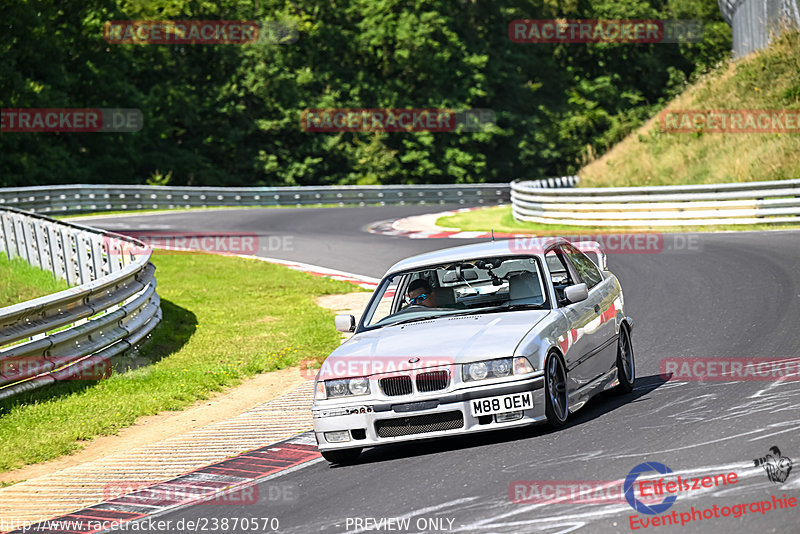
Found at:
<point>347,323</point>
<point>576,293</point>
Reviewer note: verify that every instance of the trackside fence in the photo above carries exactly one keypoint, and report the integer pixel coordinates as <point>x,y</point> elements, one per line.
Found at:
<point>112,308</point>
<point>67,199</point>
<point>661,206</point>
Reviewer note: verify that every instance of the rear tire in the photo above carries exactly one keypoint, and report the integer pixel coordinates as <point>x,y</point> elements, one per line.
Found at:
<point>626,367</point>
<point>342,456</point>
<point>556,404</point>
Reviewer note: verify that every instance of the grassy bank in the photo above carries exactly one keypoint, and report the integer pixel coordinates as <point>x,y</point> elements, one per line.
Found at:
<point>767,80</point>
<point>500,219</point>
<point>225,319</point>
<point>20,282</point>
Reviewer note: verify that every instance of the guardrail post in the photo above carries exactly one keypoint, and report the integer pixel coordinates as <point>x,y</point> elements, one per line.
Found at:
<point>113,250</point>
<point>6,235</point>
<point>30,243</point>
<point>85,267</point>
<point>101,264</point>
<point>58,260</point>
<point>70,250</point>
<point>19,237</point>
<point>45,261</point>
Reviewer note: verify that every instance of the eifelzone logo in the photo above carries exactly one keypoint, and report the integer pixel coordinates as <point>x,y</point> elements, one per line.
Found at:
<point>777,467</point>
<point>630,496</point>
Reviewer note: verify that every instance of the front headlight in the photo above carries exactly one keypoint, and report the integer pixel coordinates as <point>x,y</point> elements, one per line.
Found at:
<point>499,368</point>
<point>477,371</point>
<point>345,387</point>
<point>358,386</point>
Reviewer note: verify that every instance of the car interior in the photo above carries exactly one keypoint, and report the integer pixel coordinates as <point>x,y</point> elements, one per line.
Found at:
<point>490,282</point>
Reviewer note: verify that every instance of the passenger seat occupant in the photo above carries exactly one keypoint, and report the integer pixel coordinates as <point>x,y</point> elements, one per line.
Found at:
<point>420,293</point>
<point>524,288</point>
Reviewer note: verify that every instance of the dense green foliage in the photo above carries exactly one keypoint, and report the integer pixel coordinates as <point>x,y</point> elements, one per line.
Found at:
<point>229,114</point>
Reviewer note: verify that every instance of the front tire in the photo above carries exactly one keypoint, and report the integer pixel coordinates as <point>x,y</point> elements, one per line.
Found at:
<point>556,405</point>
<point>342,456</point>
<point>626,367</point>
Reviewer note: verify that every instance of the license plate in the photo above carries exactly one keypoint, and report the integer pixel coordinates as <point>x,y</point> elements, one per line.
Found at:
<point>501,404</point>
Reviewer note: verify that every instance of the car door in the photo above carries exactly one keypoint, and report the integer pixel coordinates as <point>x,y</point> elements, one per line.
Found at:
<point>580,338</point>
<point>602,327</point>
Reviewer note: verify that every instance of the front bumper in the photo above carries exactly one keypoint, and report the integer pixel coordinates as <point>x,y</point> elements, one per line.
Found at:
<point>359,418</point>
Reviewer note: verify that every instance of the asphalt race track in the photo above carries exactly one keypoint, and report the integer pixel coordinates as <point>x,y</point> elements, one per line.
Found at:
<point>720,295</point>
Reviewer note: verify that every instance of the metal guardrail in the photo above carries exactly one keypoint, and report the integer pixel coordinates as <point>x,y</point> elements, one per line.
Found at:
<point>61,336</point>
<point>754,21</point>
<point>66,199</point>
<point>687,205</point>
<point>552,183</point>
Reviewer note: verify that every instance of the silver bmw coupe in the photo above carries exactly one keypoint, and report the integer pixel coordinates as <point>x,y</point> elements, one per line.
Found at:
<point>473,339</point>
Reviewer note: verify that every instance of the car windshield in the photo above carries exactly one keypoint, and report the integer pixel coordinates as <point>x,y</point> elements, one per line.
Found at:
<point>483,285</point>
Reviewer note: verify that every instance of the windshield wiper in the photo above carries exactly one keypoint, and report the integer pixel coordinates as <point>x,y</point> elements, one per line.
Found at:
<point>414,320</point>
<point>524,307</point>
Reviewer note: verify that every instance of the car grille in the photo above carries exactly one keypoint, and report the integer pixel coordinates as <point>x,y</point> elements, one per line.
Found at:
<point>396,385</point>
<point>420,424</point>
<point>432,381</point>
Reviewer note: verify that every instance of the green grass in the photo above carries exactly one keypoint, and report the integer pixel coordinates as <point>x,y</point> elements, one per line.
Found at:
<point>500,219</point>
<point>19,281</point>
<point>769,79</point>
<point>225,319</point>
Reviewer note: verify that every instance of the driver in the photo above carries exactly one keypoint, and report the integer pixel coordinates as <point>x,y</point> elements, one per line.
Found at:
<point>420,292</point>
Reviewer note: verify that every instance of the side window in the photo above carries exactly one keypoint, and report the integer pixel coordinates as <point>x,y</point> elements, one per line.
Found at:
<point>559,274</point>
<point>586,269</point>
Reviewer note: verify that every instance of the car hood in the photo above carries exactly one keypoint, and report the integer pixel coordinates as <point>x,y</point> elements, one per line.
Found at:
<point>447,340</point>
